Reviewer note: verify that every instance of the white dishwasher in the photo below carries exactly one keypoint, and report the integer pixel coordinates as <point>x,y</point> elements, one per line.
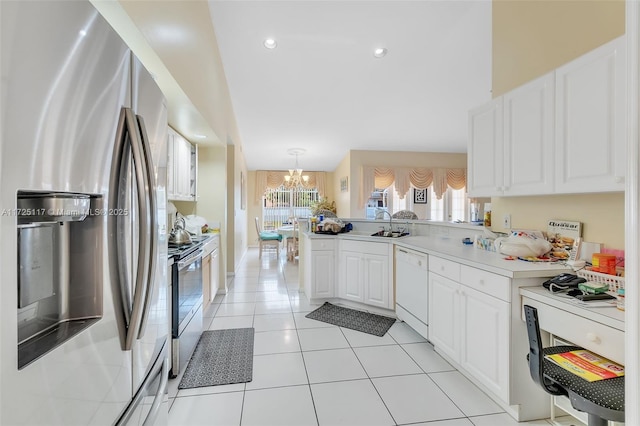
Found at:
<point>412,278</point>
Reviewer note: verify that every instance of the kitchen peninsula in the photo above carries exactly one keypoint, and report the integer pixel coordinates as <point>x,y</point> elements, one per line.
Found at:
<point>472,298</point>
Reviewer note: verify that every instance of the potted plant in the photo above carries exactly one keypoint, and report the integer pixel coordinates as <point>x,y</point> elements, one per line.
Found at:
<point>322,204</point>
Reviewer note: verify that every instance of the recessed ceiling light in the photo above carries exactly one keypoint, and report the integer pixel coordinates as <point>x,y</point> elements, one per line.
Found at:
<point>200,136</point>
<point>270,43</point>
<point>380,52</point>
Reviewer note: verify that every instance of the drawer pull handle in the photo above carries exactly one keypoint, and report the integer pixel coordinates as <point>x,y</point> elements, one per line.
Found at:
<point>481,282</point>
<point>593,337</point>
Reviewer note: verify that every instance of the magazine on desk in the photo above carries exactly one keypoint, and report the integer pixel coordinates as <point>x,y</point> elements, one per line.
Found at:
<point>565,238</point>
<point>587,365</point>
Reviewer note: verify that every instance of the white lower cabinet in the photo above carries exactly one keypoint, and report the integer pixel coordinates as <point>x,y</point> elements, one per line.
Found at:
<point>364,274</point>
<point>444,315</point>
<point>319,268</point>
<point>351,284</point>
<point>211,271</point>
<point>484,339</point>
<point>469,326</point>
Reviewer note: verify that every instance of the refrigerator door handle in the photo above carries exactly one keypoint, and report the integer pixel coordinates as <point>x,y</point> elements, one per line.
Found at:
<point>161,367</point>
<point>153,234</point>
<point>118,267</point>
<point>154,411</point>
<point>144,240</point>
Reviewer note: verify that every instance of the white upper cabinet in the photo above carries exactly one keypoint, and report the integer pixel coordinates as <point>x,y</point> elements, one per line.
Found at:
<point>561,133</point>
<point>591,125</point>
<point>182,168</point>
<point>528,138</point>
<point>485,154</point>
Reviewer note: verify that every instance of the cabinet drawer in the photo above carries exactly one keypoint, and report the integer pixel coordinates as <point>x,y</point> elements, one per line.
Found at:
<point>323,244</point>
<point>365,247</point>
<point>210,246</point>
<point>594,336</point>
<point>486,282</point>
<point>445,268</point>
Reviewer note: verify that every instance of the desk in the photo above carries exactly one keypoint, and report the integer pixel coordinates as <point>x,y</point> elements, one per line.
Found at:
<point>600,330</point>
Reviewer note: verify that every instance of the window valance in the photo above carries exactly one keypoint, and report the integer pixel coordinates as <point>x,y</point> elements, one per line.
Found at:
<point>272,179</point>
<point>420,177</point>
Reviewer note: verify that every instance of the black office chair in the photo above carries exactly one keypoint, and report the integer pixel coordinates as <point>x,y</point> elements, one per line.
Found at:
<point>602,400</point>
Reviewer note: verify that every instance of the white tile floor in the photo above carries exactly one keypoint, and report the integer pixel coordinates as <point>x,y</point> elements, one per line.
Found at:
<point>307,372</point>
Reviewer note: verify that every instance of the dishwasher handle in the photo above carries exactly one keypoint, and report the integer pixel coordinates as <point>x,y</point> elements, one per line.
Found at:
<point>414,259</point>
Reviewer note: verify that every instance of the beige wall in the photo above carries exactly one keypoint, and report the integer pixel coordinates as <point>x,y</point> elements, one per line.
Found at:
<point>343,199</point>
<point>241,200</point>
<point>531,38</point>
<point>602,215</point>
<point>211,198</point>
<point>253,210</point>
<point>236,215</point>
<point>393,159</point>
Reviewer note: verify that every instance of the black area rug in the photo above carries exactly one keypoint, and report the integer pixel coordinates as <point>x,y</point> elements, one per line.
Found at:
<point>366,322</point>
<point>221,357</point>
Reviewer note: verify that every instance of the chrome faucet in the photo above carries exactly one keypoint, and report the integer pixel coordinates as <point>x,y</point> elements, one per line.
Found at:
<point>390,220</point>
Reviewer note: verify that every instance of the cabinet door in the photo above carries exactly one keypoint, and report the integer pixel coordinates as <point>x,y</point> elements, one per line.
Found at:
<point>590,121</point>
<point>322,270</point>
<point>485,153</point>
<point>351,283</point>
<point>376,281</point>
<point>207,297</point>
<point>444,321</point>
<point>171,161</point>
<point>193,172</point>
<point>484,339</point>
<point>528,138</point>
<point>184,168</point>
<point>215,275</point>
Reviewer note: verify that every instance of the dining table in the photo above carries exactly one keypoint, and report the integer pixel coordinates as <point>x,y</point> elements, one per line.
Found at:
<point>287,231</point>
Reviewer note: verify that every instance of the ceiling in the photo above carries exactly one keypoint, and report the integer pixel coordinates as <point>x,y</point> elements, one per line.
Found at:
<point>322,89</point>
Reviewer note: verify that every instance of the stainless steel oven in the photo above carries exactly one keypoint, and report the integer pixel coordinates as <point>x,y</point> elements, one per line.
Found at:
<point>186,305</point>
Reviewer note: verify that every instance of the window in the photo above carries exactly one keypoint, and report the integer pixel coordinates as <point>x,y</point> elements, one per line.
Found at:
<point>282,204</point>
<point>453,206</point>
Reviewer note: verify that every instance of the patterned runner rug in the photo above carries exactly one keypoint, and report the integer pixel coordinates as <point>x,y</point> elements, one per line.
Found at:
<point>221,357</point>
<point>366,322</point>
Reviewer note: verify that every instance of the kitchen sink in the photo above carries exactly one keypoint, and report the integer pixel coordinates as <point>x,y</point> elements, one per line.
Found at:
<point>389,235</point>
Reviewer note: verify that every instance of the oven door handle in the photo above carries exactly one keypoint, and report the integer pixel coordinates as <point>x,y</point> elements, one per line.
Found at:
<point>191,259</point>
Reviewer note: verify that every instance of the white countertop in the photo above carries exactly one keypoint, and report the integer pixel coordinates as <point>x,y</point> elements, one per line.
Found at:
<point>453,249</point>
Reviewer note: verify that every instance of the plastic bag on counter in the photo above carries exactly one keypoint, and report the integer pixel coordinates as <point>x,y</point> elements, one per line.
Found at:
<point>523,244</point>
<point>194,224</point>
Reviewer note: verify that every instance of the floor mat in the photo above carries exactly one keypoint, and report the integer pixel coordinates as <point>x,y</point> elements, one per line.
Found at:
<point>365,322</point>
<point>221,357</point>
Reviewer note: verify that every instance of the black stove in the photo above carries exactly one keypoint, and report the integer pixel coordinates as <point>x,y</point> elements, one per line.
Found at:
<point>180,251</point>
<point>183,250</point>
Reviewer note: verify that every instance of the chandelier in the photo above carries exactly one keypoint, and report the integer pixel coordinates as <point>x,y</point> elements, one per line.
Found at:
<point>295,179</point>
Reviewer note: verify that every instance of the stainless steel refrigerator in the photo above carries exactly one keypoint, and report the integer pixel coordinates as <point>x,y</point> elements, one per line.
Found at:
<point>83,244</point>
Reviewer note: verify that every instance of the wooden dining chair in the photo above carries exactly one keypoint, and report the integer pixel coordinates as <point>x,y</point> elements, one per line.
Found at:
<point>292,243</point>
<point>268,239</point>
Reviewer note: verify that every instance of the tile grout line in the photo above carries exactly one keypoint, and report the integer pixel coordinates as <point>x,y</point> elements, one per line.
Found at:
<point>306,372</point>
<point>369,377</point>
